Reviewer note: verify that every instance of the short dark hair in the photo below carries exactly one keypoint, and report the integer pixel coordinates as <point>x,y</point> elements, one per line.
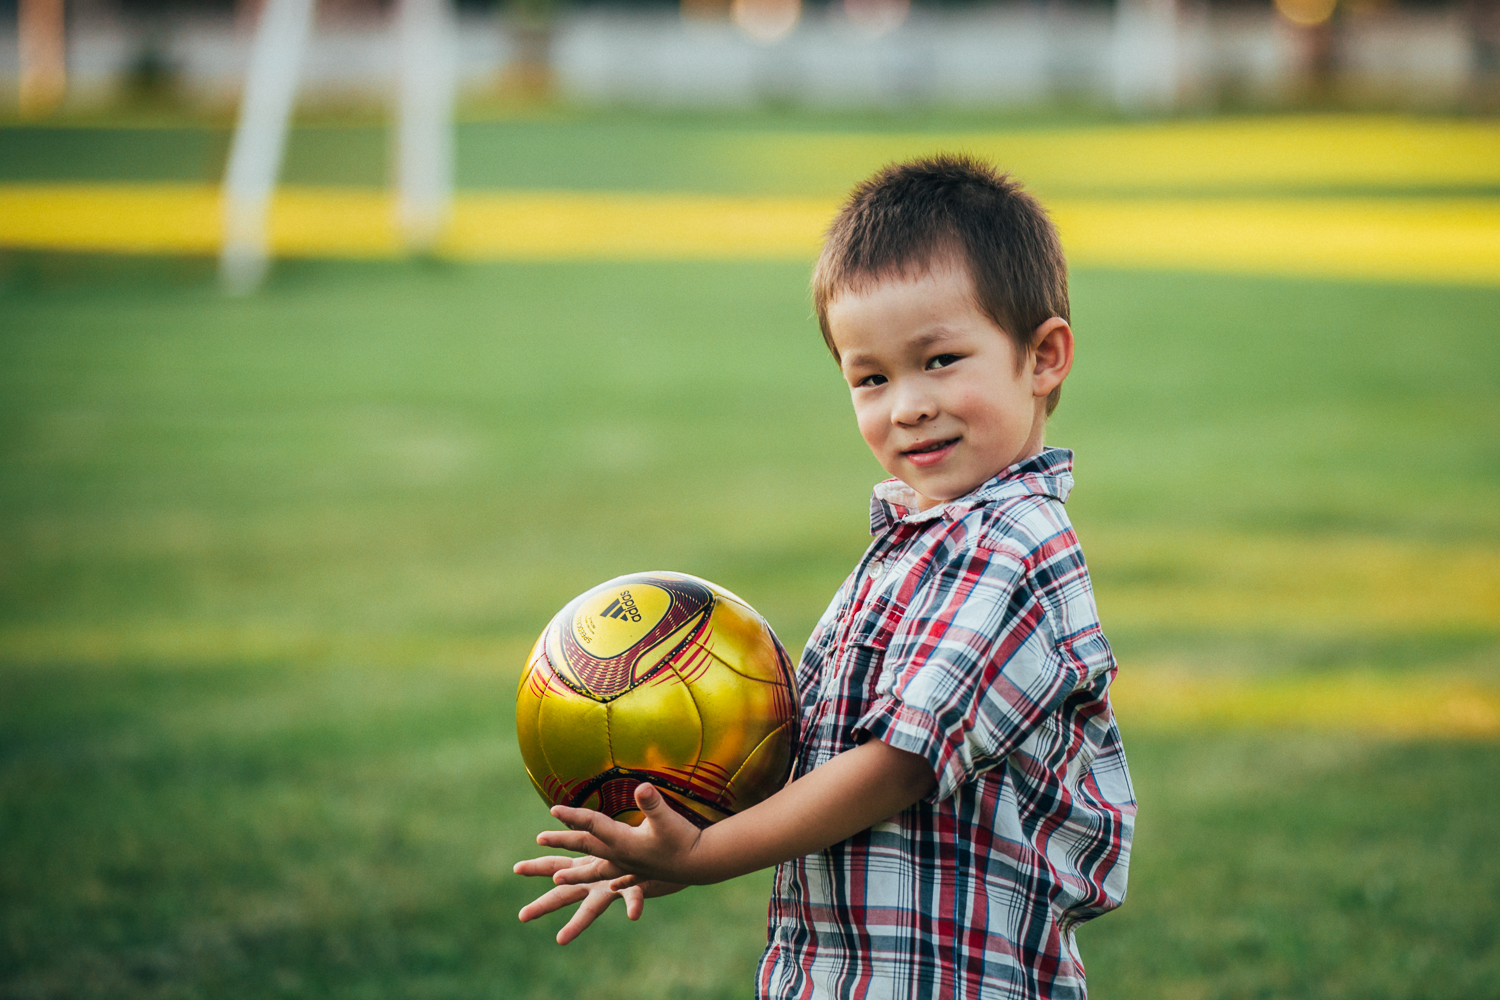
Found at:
<point>911,215</point>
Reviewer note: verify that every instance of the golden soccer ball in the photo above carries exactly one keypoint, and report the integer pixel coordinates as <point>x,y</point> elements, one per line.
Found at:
<point>658,677</point>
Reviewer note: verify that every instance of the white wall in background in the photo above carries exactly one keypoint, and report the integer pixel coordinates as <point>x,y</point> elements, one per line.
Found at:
<point>1004,55</point>
<point>1425,52</point>
<point>210,57</point>
<point>1011,53</point>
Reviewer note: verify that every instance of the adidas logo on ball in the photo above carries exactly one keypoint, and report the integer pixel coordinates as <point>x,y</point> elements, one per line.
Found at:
<point>622,607</point>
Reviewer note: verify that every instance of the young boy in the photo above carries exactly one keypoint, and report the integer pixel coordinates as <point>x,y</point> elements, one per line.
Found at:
<point>960,801</point>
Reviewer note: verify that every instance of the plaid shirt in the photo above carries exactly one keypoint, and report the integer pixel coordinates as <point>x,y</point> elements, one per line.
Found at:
<point>967,634</point>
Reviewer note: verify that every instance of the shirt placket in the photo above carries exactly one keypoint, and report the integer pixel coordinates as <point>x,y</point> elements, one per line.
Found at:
<point>882,560</point>
<point>841,694</point>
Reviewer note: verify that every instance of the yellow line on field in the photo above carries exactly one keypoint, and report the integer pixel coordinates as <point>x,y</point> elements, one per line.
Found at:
<point>185,218</point>
<point>127,218</point>
<point>1446,240</point>
<point>569,225</point>
<point>1381,706</point>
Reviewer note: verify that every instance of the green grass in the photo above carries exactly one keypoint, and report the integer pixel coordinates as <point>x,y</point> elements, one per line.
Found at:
<point>268,568</point>
<point>300,829</point>
<point>306,829</point>
<point>440,451</point>
<point>1297,866</point>
<point>423,450</point>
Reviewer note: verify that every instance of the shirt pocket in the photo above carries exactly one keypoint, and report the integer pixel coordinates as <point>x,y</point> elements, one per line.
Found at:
<point>861,668</point>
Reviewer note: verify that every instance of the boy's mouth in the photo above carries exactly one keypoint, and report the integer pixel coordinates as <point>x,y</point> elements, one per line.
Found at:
<point>930,452</point>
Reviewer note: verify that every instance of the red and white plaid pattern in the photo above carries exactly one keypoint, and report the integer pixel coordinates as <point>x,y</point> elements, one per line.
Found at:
<point>967,634</point>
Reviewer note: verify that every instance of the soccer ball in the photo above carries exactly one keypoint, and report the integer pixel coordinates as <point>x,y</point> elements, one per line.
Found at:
<point>657,677</point>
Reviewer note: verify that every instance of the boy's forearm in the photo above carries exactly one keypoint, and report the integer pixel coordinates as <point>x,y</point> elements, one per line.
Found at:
<point>850,793</point>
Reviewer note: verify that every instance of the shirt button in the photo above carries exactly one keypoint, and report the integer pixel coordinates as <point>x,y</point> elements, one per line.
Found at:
<point>876,569</point>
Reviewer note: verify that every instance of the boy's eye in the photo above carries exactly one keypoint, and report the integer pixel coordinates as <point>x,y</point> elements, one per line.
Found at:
<point>941,361</point>
<point>870,381</point>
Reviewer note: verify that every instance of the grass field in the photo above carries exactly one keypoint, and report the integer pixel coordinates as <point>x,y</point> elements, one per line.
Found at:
<point>268,568</point>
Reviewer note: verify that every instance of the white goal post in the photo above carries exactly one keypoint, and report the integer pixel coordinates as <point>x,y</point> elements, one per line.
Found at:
<point>259,141</point>
<point>422,152</point>
<point>423,156</point>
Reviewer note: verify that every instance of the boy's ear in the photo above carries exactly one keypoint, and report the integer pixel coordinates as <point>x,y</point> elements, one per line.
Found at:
<point>1052,355</point>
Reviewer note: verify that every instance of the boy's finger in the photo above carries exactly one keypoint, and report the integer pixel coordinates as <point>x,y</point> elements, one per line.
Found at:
<point>573,840</point>
<point>552,900</point>
<point>549,865</point>
<point>596,903</point>
<point>596,872</point>
<point>635,902</point>
<point>588,821</point>
<point>573,814</point>
<point>625,882</point>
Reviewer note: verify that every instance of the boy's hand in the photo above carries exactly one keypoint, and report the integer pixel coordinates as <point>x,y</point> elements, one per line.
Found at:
<point>850,793</point>
<point>659,850</point>
<point>594,897</point>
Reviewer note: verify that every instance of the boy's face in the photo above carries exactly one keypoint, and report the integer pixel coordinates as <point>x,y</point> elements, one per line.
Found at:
<point>940,393</point>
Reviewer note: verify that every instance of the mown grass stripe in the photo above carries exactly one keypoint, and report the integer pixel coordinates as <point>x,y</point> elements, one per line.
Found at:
<point>1378,706</point>
<point>1426,704</point>
<point>1384,154</point>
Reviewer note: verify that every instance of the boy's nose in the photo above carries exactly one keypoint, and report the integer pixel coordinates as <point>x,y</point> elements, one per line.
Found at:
<point>912,406</point>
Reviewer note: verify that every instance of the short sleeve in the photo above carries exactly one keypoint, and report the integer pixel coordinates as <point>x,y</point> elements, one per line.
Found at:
<point>971,669</point>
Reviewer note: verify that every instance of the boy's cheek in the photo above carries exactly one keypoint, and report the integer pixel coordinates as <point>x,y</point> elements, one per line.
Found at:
<point>877,440</point>
<point>869,427</point>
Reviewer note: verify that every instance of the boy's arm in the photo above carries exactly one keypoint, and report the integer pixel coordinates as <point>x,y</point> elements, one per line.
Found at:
<point>850,793</point>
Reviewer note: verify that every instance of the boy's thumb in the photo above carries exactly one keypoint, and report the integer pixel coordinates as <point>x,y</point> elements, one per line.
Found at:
<point>647,797</point>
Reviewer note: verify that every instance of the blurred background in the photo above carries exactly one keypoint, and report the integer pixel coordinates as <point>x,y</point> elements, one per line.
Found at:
<point>341,343</point>
<point>1137,54</point>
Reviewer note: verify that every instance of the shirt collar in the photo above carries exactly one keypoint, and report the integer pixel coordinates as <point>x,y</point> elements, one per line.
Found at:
<point>1049,473</point>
